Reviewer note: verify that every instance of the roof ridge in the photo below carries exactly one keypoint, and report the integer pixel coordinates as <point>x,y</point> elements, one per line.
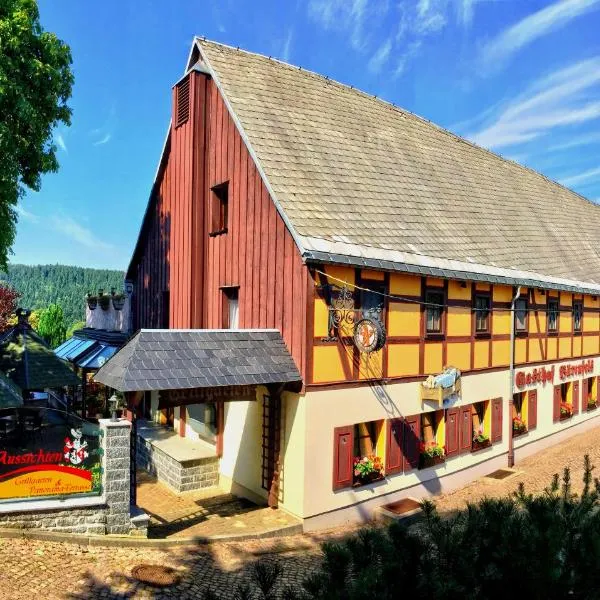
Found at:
<point>400,109</point>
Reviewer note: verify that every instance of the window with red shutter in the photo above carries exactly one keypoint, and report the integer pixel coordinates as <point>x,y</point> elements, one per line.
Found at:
<point>466,428</point>
<point>556,403</point>
<point>575,397</point>
<point>496,420</point>
<point>412,441</point>
<point>532,409</point>
<point>343,444</point>
<point>393,455</point>
<point>452,432</point>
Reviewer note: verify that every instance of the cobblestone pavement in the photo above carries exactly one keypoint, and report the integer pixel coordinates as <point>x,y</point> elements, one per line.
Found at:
<point>54,571</point>
<point>203,513</point>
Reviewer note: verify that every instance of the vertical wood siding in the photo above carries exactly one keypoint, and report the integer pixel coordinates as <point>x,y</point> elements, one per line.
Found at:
<point>176,254</point>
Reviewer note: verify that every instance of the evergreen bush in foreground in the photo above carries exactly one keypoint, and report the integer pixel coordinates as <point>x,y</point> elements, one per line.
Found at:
<point>539,547</point>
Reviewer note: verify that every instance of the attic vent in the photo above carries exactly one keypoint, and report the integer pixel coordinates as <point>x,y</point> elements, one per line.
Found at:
<point>183,102</point>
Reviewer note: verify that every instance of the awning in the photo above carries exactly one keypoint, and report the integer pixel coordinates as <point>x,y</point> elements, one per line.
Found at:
<point>174,359</point>
<point>98,357</point>
<point>73,348</point>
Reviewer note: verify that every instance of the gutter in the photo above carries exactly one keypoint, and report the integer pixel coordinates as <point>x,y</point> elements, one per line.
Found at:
<point>511,371</point>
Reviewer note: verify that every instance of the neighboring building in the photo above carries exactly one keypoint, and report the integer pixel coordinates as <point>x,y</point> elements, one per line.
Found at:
<point>287,201</point>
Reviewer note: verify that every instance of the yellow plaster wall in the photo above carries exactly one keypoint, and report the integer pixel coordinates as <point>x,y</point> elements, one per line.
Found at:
<point>371,365</point>
<point>404,319</point>
<point>501,322</point>
<point>373,275</point>
<point>590,345</point>
<point>536,349</point>
<point>327,364</point>
<point>552,351</point>
<point>502,293</point>
<point>457,292</point>
<point>500,353</point>
<point>459,321</point>
<point>520,350</point>
<point>433,357</point>
<point>481,357</point>
<point>321,318</point>
<point>564,347</point>
<point>403,360</point>
<point>434,282</point>
<point>459,355</point>
<point>407,285</point>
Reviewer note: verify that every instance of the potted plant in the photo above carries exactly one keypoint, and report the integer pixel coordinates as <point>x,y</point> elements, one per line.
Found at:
<point>566,411</point>
<point>592,404</point>
<point>92,301</point>
<point>519,426</point>
<point>480,440</point>
<point>367,469</point>
<point>431,453</point>
<point>103,300</point>
<point>118,300</point>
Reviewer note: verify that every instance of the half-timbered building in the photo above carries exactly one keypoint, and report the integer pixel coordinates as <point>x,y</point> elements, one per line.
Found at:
<point>440,304</point>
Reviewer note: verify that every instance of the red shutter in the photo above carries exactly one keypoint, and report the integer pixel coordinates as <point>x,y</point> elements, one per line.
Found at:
<point>496,420</point>
<point>466,428</point>
<point>556,404</point>
<point>532,409</point>
<point>343,445</point>
<point>575,397</point>
<point>452,432</point>
<point>584,394</point>
<point>412,440</point>
<point>393,455</point>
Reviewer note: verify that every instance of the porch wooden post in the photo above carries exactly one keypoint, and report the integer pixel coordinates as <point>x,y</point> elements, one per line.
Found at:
<point>275,434</point>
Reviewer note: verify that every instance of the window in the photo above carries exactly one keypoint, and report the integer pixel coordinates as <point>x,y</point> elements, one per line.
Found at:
<point>519,417</point>
<point>589,397</point>
<point>372,302</point>
<point>365,438</point>
<point>368,456</point>
<point>231,313</point>
<point>481,435</point>
<point>552,314</point>
<point>434,311</point>
<point>219,208</point>
<point>202,418</point>
<point>482,314</point>
<point>521,315</point>
<point>577,315</point>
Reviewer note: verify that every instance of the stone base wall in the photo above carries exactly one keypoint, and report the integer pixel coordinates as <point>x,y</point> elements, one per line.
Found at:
<point>90,521</point>
<point>186,476</point>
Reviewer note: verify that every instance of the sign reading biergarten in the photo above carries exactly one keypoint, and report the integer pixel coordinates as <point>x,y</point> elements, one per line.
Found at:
<point>46,453</point>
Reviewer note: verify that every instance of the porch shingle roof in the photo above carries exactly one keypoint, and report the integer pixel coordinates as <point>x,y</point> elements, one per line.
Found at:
<point>165,359</point>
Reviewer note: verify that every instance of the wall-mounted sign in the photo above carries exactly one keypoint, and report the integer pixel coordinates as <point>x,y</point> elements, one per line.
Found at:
<point>369,335</point>
<point>534,376</point>
<point>47,453</point>
<point>585,367</point>
<point>225,393</point>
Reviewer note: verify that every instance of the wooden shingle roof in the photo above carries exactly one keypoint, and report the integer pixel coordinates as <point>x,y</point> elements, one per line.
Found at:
<point>359,180</point>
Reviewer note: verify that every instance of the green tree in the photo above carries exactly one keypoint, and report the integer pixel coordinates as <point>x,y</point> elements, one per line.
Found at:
<point>52,325</point>
<point>74,327</point>
<point>35,85</point>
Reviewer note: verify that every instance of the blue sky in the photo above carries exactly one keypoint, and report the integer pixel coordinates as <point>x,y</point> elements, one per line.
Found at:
<point>521,77</point>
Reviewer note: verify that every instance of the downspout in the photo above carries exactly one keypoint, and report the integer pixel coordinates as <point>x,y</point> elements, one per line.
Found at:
<point>509,400</point>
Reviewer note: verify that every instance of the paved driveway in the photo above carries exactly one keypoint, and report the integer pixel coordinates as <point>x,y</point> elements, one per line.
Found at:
<point>50,571</point>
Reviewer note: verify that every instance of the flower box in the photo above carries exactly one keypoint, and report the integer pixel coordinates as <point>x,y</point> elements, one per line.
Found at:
<point>92,302</point>
<point>566,411</point>
<point>566,416</point>
<point>118,301</point>
<point>592,406</point>
<point>518,432</point>
<point>367,469</point>
<point>366,479</point>
<point>519,427</point>
<point>480,445</point>
<point>430,461</point>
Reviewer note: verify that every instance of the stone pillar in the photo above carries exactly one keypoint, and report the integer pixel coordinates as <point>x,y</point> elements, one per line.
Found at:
<point>116,481</point>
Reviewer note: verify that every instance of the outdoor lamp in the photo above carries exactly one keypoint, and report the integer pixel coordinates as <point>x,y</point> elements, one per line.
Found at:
<point>115,402</point>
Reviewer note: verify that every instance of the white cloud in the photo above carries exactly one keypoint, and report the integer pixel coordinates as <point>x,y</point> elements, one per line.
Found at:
<point>103,140</point>
<point>25,214</point>
<point>553,101</point>
<point>585,177</point>
<point>549,19</point>
<point>60,140</point>
<point>380,57</point>
<point>287,45</point>
<point>346,15</point>
<point>582,140</point>
<point>78,233</point>
<point>411,51</point>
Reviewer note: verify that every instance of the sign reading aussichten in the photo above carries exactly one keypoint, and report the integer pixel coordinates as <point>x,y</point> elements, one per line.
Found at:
<point>46,453</point>
<point>543,375</point>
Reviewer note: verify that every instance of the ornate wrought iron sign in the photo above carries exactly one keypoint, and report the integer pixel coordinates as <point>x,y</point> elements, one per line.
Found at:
<point>341,310</point>
<point>46,453</point>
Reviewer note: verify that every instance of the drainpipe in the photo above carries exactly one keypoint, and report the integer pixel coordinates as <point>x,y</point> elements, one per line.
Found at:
<point>509,400</point>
